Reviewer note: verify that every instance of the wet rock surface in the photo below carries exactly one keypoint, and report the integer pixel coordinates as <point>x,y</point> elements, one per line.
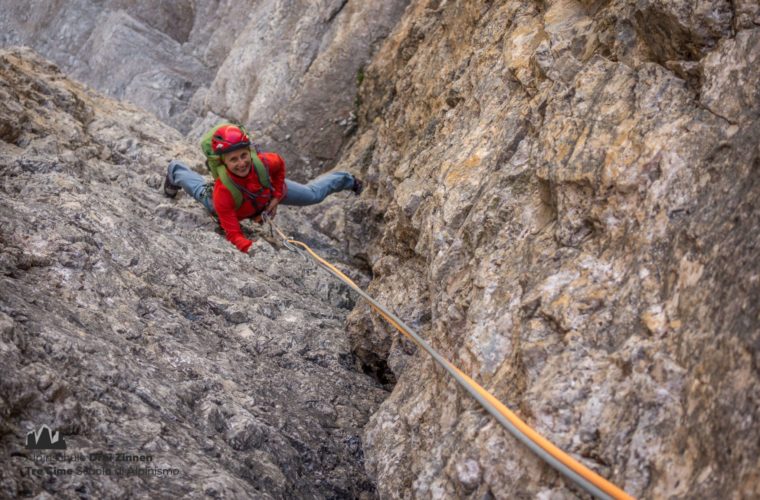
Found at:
<point>564,201</point>
<point>131,326</point>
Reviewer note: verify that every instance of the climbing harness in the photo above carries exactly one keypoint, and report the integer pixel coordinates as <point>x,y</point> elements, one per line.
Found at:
<point>545,449</point>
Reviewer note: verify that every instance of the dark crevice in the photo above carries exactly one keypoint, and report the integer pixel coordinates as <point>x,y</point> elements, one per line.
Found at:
<point>376,367</point>
<point>332,15</point>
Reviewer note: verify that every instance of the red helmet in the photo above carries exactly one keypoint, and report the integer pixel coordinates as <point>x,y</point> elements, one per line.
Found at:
<point>229,138</point>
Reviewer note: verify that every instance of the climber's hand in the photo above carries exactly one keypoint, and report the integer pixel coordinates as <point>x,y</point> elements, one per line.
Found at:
<point>271,209</point>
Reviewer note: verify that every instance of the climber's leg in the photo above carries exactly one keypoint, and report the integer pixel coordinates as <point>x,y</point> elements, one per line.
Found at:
<point>318,189</point>
<point>193,183</point>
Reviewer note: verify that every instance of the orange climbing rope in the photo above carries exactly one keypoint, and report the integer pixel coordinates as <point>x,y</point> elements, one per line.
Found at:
<point>561,461</point>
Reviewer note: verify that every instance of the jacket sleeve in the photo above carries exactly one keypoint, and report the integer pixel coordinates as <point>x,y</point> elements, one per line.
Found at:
<point>224,205</point>
<point>277,174</point>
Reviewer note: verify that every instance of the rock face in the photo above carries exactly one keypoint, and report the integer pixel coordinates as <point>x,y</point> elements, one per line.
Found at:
<point>140,51</point>
<point>563,199</point>
<point>292,74</point>
<point>131,327</point>
<point>286,69</point>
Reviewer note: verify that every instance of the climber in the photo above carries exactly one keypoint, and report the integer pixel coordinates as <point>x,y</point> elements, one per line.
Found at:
<point>247,182</point>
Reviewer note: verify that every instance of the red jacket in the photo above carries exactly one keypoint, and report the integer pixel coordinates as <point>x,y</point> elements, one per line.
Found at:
<point>224,204</point>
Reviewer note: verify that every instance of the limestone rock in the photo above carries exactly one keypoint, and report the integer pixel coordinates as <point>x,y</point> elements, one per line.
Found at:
<point>292,75</point>
<point>561,196</point>
<point>287,70</point>
<point>129,325</point>
<point>567,193</point>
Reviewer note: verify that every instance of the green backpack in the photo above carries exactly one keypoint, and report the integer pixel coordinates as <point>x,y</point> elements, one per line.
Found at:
<point>219,171</point>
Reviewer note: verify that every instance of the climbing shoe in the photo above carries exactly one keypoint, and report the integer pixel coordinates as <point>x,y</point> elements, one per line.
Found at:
<point>170,189</point>
<point>358,186</point>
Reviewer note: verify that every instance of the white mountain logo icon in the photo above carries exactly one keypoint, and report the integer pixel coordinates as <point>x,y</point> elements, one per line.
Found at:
<point>45,439</point>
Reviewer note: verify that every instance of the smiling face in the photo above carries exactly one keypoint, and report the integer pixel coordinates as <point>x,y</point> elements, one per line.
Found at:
<point>238,162</point>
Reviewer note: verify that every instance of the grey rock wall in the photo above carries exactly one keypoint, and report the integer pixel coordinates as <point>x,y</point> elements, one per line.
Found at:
<point>129,325</point>
<point>287,69</point>
<point>561,197</point>
<point>563,200</point>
